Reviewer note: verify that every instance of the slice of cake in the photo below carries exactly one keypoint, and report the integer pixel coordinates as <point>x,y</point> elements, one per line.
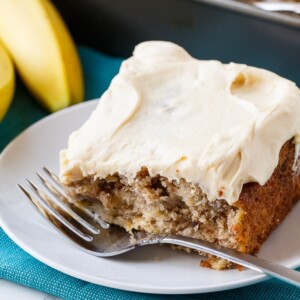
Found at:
<point>189,147</point>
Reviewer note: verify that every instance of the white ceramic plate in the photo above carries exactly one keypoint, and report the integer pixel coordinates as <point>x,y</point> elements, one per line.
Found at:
<point>150,269</point>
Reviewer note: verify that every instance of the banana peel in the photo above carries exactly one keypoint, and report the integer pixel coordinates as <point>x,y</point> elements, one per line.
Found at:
<point>43,51</point>
<point>7,81</point>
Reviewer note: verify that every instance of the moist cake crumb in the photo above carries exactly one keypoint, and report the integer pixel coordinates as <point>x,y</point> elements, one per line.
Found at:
<point>159,206</point>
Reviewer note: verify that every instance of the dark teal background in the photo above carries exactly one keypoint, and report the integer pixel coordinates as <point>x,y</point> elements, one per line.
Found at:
<point>18,266</point>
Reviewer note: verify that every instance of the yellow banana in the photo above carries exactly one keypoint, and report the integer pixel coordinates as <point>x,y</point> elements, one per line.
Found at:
<point>43,51</point>
<point>7,81</point>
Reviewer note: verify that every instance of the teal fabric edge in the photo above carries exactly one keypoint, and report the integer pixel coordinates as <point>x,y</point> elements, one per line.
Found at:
<point>19,267</point>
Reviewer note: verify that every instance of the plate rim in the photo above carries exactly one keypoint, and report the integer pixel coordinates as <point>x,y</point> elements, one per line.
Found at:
<point>129,286</point>
<point>106,282</point>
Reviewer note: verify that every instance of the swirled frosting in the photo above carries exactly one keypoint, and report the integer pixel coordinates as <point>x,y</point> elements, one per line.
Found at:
<point>216,125</point>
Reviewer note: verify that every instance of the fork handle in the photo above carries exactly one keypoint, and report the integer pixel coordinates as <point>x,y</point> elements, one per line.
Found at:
<point>246,260</point>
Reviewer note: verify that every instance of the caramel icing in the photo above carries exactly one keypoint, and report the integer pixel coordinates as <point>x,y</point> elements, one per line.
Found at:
<point>216,125</point>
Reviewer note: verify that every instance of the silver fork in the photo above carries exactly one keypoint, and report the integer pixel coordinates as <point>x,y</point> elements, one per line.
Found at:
<point>88,231</point>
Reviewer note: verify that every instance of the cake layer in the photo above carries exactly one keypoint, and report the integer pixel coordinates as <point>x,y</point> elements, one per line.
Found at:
<point>157,205</point>
<point>217,126</point>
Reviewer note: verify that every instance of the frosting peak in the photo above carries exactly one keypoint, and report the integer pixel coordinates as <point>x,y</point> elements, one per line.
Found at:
<point>216,125</point>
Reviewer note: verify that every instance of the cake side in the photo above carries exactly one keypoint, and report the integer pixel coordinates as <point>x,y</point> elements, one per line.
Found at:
<point>157,205</point>
<point>267,205</point>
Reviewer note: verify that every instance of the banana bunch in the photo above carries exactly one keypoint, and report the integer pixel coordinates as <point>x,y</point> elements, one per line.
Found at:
<point>35,39</point>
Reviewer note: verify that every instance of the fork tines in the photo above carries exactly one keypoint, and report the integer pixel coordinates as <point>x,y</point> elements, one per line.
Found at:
<point>57,207</point>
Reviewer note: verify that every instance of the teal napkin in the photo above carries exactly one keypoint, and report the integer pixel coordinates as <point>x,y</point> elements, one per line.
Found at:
<point>18,266</point>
